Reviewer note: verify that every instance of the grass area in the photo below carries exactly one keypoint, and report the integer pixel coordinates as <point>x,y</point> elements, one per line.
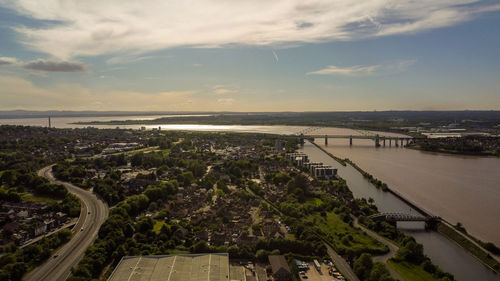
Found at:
<point>469,246</point>
<point>34,198</point>
<point>157,227</point>
<point>344,235</point>
<point>411,272</point>
<point>318,201</point>
<point>177,252</point>
<point>143,150</point>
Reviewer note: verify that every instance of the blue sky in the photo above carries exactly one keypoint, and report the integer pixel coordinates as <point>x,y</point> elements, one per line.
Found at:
<point>254,55</point>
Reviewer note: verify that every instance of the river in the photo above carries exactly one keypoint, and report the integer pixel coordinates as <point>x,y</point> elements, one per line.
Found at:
<point>457,188</point>
<point>442,251</point>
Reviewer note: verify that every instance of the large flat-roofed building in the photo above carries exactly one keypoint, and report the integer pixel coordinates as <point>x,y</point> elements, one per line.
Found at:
<point>281,271</point>
<point>195,267</point>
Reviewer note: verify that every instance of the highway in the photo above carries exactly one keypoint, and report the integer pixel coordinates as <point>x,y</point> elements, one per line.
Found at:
<point>93,213</point>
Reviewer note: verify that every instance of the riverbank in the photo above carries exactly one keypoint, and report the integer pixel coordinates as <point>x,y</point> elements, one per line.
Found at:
<point>456,152</point>
<point>341,161</point>
<point>452,234</point>
<point>468,245</point>
<point>376,182</point>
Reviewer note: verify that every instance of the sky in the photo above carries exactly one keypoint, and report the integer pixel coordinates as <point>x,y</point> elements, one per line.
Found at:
<point>249,55</point>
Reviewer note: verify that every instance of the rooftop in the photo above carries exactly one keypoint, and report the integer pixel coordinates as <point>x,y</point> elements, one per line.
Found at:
<point>195,267</point>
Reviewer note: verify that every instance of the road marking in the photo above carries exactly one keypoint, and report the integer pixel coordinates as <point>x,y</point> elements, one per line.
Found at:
<point>172,269</point>
<point>209,261</point>
<point>132,273</point>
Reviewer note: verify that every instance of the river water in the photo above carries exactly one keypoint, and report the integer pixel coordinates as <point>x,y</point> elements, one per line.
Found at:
<point>457,188</point>
<point>442,251</point>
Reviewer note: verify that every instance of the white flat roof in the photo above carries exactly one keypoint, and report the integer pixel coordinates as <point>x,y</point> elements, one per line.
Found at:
<point>195,267</point>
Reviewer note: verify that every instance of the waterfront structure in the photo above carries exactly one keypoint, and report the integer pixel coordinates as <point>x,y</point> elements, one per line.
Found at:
<point>317,169</point>
<point>324,172</point>
<point>193,267</point>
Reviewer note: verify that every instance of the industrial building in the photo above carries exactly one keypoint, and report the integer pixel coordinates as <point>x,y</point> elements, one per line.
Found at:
<point>317,169</point>
<point>193,267</point>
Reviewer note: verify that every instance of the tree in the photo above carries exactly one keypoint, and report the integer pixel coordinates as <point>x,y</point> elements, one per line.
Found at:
<point>363,266</point>
<point>200,247</point>
<point>378,272</point>
<point>411,252</point>
<point>262,255</point>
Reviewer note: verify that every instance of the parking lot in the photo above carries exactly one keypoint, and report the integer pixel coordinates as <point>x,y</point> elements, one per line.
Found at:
<point>314,275</point>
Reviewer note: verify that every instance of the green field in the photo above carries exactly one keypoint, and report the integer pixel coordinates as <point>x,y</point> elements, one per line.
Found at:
<point>411,272</point>
<point>157,227</point>
<point>335,228</point>
<point>33,198</point>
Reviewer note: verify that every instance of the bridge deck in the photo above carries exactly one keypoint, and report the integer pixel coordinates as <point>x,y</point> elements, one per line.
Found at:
<point>394,217</point>
<point>357,137</point>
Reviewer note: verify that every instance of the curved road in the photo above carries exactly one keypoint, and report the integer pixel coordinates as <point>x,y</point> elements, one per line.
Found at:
<point>393,248</point>
<point>93,213</point>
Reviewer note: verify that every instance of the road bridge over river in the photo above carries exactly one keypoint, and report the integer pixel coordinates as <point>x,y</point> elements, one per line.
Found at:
<point>379,140</point>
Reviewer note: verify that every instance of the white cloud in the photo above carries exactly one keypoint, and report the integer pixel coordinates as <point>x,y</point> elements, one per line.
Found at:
<point>226,101</point>
<point>130,28</point>
<point>224,89</point>
<point>8,61</point>
<point>347,71</point>
<point>360,70</point>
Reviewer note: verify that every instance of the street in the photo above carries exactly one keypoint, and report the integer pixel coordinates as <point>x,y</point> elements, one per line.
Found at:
<point>93,213</point>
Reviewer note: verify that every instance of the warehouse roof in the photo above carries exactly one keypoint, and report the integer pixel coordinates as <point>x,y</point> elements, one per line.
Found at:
<point>195,267</point>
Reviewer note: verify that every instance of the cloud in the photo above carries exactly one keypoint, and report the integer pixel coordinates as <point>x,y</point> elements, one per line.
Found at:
<point>346,71</point>
<point>360,70</point>
<point>225,101</point>
<point>127,59</point>
<point>55,66</point>
<point>223,90</point>
<point>129,28</point>
<point>8,61</point>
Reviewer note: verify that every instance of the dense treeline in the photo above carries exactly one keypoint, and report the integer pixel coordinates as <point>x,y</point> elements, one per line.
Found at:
<point>15,262</point>
<point>366,269</point>
<point>13,184</point>
<point>462,145</point>
<point>120,235</point>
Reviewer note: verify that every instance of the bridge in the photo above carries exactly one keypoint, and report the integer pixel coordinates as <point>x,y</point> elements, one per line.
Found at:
<point>379,140</point>
<point>430,221</point>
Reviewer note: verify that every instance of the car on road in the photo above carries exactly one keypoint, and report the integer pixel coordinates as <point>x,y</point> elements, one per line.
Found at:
<point>55,256</point>
<point>81,229</point>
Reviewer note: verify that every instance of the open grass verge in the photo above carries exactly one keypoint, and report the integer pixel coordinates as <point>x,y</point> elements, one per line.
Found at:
<point>36,198</point>
<point>344,236</point>
<point>411,272</point>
